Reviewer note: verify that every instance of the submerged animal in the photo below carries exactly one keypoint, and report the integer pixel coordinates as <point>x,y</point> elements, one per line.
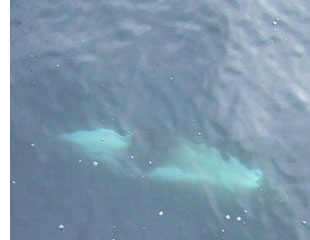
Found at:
<point>186,163</point>
<point>199,164</point>
<point>102,145</point>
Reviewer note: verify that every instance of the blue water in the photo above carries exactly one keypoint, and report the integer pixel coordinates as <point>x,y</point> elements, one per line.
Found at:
<point>231,74</point>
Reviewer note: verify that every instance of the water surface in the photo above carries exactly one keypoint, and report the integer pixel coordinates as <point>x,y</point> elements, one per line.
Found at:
<point>230,74</point>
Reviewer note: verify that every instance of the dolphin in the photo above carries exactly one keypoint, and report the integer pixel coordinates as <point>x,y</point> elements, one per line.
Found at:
<point>102,145</point>
<point>192,163</point>
<point>187,162</point>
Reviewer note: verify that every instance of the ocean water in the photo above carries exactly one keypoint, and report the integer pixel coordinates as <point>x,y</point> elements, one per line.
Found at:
<point>231,74</point>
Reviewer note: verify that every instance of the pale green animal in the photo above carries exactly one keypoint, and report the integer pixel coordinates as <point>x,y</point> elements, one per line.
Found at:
<point>186,163</point>
<point>199,164</point>
<point>102,145</point>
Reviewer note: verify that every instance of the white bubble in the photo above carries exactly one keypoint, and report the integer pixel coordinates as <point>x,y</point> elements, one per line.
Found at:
<point>304,222</point>
<point>132,156</point>
<point>80,160</point>
<point>57,65</point>
<point>143,228</point>
<point>32,144</point>
<point>150,162</point>
<point>171,78</point>
<point>245,211</point>
<point>114,226</point>
<point>274,22</point>
<point>95,164</point>
<point>199,133</point>
<point>222,230</point>
<point>31,55</point>
<point>102,139</point>
<point>238,219</point>
<point>61,227</point>
<point>83,40</point>
<point>13,182</point>
<point>227,217</point>
<point>160,213</point>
